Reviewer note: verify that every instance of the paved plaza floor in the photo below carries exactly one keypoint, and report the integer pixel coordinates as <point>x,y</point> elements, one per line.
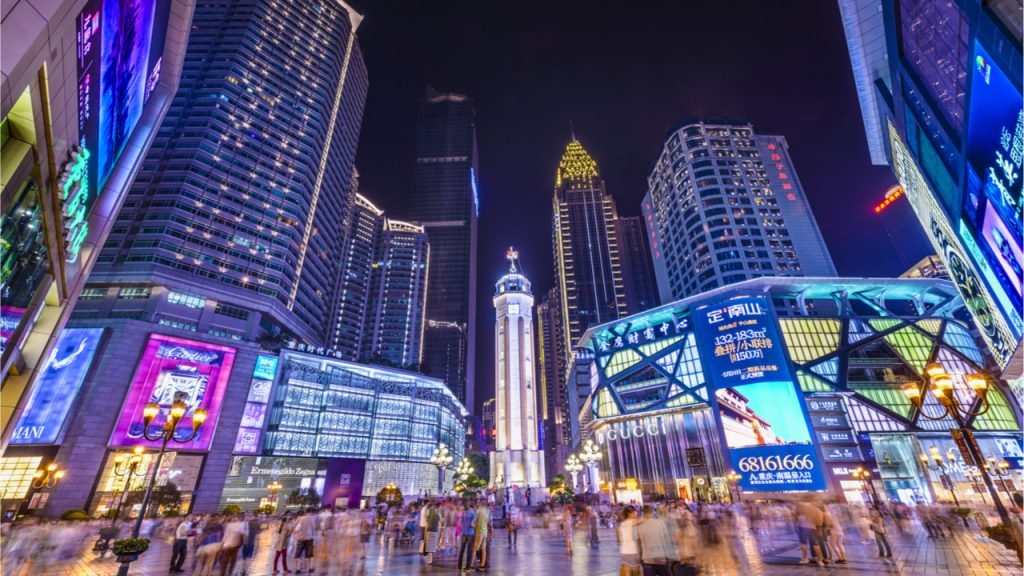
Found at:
<point>542,553</point>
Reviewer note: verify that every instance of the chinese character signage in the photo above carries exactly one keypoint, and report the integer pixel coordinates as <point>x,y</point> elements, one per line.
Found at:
<point>991,227</point>
<point>57,387</point>
<point>171,368</point>
<point>119,51</point>
<point>761,415</point>
<point>739,342</point>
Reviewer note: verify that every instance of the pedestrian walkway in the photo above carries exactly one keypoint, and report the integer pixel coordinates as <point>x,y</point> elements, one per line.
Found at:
<point>541,553</point>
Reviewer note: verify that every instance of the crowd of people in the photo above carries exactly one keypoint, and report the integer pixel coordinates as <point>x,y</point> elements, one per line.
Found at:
<point>653,540</point>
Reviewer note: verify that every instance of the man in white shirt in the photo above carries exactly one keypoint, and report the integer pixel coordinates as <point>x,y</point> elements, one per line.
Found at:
<point>236,531</point>
<point>627,538</point>
<point>180,548</point>
<point>656,550</point>
<point>303,532</point>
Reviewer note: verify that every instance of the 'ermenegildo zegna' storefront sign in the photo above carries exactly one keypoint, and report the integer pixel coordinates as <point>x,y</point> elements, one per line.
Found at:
<point>631,429</point>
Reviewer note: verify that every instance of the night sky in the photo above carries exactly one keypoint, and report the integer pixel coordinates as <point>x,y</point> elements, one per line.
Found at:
<point>623,76</point>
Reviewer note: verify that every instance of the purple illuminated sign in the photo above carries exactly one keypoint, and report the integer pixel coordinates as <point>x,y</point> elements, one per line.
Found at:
<point>170,367</point>
<point>251,430</point>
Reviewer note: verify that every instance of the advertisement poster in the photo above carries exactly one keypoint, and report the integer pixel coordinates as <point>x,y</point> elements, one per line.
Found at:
<point>10,317</point>
<point>761,414</point>
<point>995,153</point>
<point>251,431</point>
<point>120,45</point>
<point>170,368</point>
<point>302,482</point>
<point>57,387</point>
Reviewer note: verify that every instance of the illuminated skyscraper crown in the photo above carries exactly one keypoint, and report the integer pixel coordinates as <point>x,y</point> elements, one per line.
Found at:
<point>513,281</point>
<point>576,168</point>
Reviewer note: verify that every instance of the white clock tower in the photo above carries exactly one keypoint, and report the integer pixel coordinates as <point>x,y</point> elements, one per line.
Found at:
<point>517,460</point>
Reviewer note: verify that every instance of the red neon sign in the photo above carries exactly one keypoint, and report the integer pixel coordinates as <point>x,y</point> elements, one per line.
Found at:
<point>894,194</point>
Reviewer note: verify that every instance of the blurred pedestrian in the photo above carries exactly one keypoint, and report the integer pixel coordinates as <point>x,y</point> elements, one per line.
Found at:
<point>878,527</point>
<point>481,534</point>
<point>567,528</point>
<point>282,534</point>
<point>433,531</point>
<point>808,520</point>
<point>466,548</point>
<point>180,548</point>
<point>656,551</point>
<point>627,543</point>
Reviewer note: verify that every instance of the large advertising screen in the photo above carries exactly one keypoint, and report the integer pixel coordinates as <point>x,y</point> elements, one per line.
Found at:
<point>992,203</point>
<point>57,387</point>
<point>120,46</point>
<point>760,412</point>
<point>171,368</point>
<point>301,479</point>
<point>250,431</point>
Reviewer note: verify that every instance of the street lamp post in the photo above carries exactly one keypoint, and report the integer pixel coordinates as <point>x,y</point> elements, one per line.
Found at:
<point>273,489</point>
<point>865,485</point>
<point>1002,470</point>
<point>940,468</point>
<point>590,454</point>
<point>167,433</point>
<point>941,386</point>
<point>442,459</point>
<point>573,466</point>
<point>49,477</point>
<point>126,466</point>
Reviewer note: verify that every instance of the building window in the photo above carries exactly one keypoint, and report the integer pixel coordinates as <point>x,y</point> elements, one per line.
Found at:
<point>177,324</point>
<point>187,300</point>
<point>231,311</point>
<point>133,293</point>
<point>93,294</point>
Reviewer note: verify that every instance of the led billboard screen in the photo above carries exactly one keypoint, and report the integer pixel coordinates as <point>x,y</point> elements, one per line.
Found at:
<point>120,44</point>
<point>171,368</point>
<point>761,415</point>
<point>992,203</point>
<point>57,387</point>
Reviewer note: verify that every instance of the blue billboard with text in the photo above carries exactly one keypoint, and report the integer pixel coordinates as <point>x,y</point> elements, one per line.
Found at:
<point>760,414</point>
<point>57,387</point>
<point>777,468</point>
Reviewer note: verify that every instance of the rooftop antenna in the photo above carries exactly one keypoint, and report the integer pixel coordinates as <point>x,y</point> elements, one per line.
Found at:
<point>571,131</point>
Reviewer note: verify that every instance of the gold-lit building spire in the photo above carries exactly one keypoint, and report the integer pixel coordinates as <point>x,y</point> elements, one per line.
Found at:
<point>576,166</point>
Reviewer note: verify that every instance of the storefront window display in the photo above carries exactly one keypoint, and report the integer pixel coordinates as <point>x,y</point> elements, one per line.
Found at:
<point>175,484</point>
<point>23,259</point>
<point>899,468</point>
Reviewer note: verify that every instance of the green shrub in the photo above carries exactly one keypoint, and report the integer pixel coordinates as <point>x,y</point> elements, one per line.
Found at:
<point>231,509</point>
<point>126,546</point>
<point>74,515</point>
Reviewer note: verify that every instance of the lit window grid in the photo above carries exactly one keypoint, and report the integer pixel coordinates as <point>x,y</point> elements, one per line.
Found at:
<point>620,361</point>
<point>810,339</point>
<point>956,336</point>
<point>916,348</point>
<point>999,416</point>
<point>16,475</point>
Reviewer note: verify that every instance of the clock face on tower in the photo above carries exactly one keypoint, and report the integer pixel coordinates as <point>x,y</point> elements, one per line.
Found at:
<point>513,308</point>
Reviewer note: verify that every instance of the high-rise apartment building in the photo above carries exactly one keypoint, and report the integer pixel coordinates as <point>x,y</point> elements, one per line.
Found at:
<point>84,86</point>
<point>518,458</point>
<point>243,195</point>
<point>551,373</point>
<point>394,323</point>
<point>444,201</point>
<point>641,289</point>
<point>940,89</point>
<point>588,268</point>
<point>723,205</point>
<point>364,225</point>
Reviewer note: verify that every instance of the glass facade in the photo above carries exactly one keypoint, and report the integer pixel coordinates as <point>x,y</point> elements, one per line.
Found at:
<point>245,188</point>
<point>330,408</point>
<point>852,345</point>
<point>445,200</point>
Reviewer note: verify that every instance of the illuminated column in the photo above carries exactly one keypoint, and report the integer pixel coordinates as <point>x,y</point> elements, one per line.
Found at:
<point>517,458</point>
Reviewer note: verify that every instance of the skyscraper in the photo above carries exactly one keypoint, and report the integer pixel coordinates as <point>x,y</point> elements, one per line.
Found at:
<point>364,226</point>
<point>243,195</point>
<point>587,264</point>
<point>940,90</point>
<point>444,201</point>
<point>517,458</point>
<point>84,87</point>
<point>551,373</point>
<point>230,239</point>
<point>394,326</point>
<point>641,289</point>
<point>723,205</point>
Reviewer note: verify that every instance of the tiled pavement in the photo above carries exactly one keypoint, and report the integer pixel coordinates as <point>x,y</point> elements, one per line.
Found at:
<point>540,553</point>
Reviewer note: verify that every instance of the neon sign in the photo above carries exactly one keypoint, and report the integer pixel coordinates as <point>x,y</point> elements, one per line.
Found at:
<point>74,196</point>
<point>895,193</point>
